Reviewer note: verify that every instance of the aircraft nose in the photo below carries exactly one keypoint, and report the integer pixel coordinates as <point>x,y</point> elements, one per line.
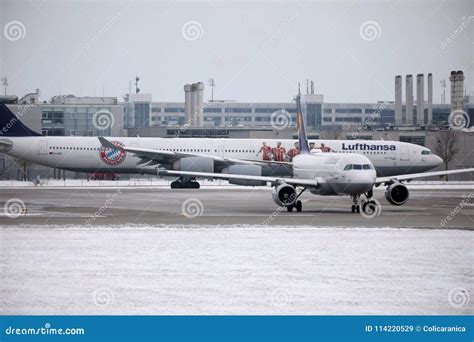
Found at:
<point>437,161</point>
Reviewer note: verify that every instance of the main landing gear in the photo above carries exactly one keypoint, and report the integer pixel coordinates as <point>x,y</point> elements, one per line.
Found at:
<point>368,206</point>
<point>183,183</point>
<point>298,205</point>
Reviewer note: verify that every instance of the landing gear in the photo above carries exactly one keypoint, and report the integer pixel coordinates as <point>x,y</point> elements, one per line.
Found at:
<point>182,183</point>
<point>298,205</point>
<point>355,208</point>
<point>368,205</point>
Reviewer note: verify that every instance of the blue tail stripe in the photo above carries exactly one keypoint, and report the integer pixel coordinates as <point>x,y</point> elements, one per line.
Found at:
<point>11,126</point>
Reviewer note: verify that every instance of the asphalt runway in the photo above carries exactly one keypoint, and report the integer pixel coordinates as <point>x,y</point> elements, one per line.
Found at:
<point>229,206</point>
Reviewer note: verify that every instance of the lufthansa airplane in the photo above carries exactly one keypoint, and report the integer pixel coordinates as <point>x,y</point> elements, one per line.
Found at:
<point>231,156</point>
<point>326,174</point>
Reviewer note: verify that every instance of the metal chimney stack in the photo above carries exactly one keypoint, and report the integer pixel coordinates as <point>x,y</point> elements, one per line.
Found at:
<point>187,105</point>
<point>430,99</point>
<point>398,101</point>
<point>420,100</point>
<point>199,103</point>
<point>409,100</point>
<point>457,90</point>
<point>193,104</point>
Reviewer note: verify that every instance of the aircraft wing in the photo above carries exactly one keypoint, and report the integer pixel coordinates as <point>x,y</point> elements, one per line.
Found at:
<point>150,156</point>
<point>226,176</point>
<point>409,177</point>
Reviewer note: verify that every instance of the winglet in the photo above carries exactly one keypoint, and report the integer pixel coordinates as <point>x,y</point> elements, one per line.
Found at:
<point>107,144</point>
<point>302,140</point>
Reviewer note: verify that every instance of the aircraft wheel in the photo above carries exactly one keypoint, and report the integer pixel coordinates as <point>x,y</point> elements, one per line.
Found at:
<point>195,185</point>
<point>353,208</point>
<point>289,208</point>
<point>357,208</point>
<point>369,207</point>
<point>299,206</point>
<point>176,185</point>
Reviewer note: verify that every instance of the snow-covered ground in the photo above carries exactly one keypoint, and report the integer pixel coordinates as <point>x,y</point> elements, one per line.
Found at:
<point>164,183</point>
<point>235,270</point>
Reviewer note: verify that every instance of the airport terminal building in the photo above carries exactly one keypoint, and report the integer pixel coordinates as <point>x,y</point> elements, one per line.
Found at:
<point>139,115</point>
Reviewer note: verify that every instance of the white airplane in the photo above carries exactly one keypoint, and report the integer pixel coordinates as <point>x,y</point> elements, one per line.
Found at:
<point>231,156</point>
<point>324,174</point>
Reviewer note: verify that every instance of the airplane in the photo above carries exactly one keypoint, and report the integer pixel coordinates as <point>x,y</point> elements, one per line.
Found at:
<point>324,173</point>
<point>230,156</point>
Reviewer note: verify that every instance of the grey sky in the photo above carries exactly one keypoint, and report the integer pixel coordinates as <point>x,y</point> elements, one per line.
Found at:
<point>255,51</point>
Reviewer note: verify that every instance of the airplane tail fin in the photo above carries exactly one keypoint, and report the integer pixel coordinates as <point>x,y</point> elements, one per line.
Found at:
<point>302,140</point>
<point>11,126</point>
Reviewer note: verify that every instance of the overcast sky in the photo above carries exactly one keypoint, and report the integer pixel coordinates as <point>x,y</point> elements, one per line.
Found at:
<point>255,51</point>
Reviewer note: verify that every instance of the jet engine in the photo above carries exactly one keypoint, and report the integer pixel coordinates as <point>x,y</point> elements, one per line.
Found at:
<point>284,195</point>
<point>194,164</point>
<point>397,194</point>
<point>248,170</point>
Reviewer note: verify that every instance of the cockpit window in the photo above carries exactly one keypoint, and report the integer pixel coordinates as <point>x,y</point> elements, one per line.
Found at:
<point>357,167</point>
<point>426,152</point>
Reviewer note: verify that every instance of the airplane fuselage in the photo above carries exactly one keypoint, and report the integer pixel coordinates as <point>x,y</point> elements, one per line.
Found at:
<point>85,154</point>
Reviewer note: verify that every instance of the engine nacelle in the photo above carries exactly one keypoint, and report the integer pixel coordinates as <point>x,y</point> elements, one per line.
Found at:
<point>248,170</point>
<point>397,194</point>
<point>284,195</point>
<point>194,164</point>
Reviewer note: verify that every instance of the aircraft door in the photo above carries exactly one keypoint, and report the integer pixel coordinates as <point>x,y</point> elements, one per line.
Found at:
<point>220,151</point>
<point>43,147</point>
<point>404,153</point>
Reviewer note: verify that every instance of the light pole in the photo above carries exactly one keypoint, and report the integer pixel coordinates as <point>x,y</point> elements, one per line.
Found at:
<point>212,84</point>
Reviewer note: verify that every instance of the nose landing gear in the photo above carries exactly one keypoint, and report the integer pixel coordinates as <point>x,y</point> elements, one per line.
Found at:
<point>355,208</point>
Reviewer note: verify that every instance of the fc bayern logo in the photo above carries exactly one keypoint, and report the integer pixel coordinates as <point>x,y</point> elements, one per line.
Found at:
<point>112,156</point>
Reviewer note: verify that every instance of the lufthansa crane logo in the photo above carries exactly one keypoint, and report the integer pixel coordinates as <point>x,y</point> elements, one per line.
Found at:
<point>112,156</point>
